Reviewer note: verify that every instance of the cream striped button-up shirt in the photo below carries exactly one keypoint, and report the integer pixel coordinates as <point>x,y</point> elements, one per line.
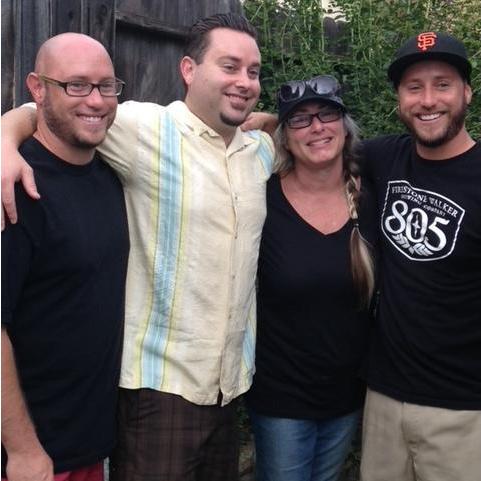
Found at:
<point>196,210</point>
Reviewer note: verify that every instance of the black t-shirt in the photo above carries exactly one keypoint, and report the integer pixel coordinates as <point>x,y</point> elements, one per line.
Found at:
<point>427,343</point>
<point>63,283</point>
<point>311,336</point>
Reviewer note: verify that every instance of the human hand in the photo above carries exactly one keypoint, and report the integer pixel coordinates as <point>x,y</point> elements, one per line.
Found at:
<point>14,169</point>
<point>260,120</point>
<point>28,466</point>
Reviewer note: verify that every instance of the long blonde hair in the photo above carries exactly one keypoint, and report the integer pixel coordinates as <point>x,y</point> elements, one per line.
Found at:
<point>362,262</point>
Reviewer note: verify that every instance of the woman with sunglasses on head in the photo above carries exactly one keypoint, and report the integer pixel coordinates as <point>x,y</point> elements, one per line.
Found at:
<point>316,279</point>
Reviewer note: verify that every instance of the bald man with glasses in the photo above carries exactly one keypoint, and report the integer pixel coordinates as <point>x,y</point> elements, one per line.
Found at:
<point>63,276</point>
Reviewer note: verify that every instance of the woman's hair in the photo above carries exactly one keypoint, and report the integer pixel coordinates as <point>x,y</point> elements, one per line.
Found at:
<point>362,263</point>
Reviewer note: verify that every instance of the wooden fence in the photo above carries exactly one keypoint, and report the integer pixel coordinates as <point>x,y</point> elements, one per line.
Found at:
<point>144,38</point>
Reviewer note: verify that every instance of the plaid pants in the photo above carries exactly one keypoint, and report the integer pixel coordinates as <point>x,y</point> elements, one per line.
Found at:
<point>163,437</point>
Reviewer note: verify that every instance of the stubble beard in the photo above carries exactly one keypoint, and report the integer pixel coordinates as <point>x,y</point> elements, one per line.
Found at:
<point>64,131</point>
<point>451,131</point>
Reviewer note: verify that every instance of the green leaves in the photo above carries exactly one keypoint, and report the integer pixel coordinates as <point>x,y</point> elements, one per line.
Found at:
<point>299,40</point>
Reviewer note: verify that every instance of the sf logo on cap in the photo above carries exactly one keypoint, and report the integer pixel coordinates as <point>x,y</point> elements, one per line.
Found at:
<point>426,40</point>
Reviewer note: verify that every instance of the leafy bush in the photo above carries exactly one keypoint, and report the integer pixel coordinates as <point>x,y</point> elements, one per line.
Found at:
<point>355,40</point>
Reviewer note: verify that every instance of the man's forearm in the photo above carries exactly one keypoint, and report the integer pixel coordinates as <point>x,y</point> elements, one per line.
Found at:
<point>18,125</point>
<point>18,432</point>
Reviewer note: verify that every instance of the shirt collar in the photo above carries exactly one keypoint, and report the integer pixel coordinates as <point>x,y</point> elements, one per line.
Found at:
<point>199,128</point>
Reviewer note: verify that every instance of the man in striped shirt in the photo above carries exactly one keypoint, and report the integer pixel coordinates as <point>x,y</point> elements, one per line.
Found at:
<point>195,191</point>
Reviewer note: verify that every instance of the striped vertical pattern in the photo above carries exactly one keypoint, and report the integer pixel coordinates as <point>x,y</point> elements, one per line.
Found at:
<point>196,210</point>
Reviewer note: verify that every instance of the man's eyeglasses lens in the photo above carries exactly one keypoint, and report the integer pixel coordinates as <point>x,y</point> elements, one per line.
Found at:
<point>78,88</point>
<point>81,89</point>
<point>301,121</point>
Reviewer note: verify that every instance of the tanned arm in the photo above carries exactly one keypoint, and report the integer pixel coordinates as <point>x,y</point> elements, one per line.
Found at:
<point>17,126</point>
<point>261,121</point>
<point>27,460</point>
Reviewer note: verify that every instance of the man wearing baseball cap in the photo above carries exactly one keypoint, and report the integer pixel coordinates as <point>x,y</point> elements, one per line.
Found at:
<point>422,417</point>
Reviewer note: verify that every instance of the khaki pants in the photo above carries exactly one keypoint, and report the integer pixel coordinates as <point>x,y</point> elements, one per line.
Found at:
<point>409,442</point>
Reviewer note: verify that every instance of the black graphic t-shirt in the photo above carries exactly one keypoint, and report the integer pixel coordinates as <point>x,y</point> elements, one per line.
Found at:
<point>427,342</point>
<point>421,224</point>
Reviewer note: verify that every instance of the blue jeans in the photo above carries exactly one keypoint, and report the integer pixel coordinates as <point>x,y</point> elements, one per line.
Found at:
<point>301,450</point>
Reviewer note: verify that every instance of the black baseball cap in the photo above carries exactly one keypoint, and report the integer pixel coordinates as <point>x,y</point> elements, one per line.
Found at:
<point>323,88</point>
<point>430,46</point>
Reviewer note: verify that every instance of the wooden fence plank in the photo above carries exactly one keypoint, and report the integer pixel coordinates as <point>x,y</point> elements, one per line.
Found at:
<point>100,22</point>
<point>151,25</point>
<point>144,38</point>
<point>32,28</point>
<point>66,16</point>
<point>8,41</point>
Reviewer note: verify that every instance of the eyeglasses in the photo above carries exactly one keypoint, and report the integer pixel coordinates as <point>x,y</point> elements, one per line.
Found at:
<point>301,121</point>
<point>80,88</point>
<point>322,85</point>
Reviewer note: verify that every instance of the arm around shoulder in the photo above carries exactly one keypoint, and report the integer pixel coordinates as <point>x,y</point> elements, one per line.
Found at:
<point>264,121</point>
<point>17,126</point>
<point>134,130</point>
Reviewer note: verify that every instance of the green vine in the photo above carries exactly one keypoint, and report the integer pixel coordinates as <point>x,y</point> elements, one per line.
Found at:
<point>355,40</point>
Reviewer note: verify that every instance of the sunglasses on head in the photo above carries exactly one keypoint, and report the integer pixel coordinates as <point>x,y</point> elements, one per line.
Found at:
<point>322,85</point>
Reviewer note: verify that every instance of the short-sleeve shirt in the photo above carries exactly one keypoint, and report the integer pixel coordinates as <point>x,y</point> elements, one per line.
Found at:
<point>426,346</point>
<point>196,209</point>
<point>63,281</point>
<point>312,332</point>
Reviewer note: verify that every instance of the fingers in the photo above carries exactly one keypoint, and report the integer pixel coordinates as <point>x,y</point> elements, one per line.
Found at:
<point>249,123</point>
<point>8,202</point>
<point>260,121</point>
<point>28,182</point>
<point>9,207</point>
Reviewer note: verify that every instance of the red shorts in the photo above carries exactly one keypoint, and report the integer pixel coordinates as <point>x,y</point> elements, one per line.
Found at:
<point>95,472</point>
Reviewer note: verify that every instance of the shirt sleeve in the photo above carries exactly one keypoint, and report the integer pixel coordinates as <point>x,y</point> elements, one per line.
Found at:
<point>267,146</point>
<point>369,214</point>
<point>19,242</point>
<point>134,130</point>
<point>364,163</point>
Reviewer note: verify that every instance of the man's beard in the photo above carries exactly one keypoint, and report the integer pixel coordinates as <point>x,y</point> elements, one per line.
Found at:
<point>230,121</point>
<point>453,128</point>
<point>63,130</point>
